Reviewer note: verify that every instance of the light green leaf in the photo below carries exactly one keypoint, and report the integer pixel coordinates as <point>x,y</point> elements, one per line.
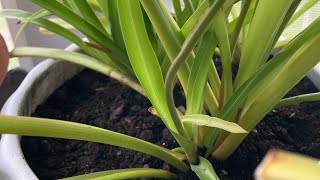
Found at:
<point>205,120</point>
<point>142,57</point>
<point>69,130</point>
<point>114,21</point>
<point>260,39</point>
<point>231,26</point>
<point>86,28</point>
<point>89,15</point>
<point>298,99</point>
<point>126,174</point>
<point>38,14</point>
<point>224,47</point>
<point>281,74</point>
<point>168,35</point>
<point>306,6</point>
<point>204,170</point>
<point>77,58</point>
<point>56,28</point>
<point>194,19</point>
<point>198,77</point>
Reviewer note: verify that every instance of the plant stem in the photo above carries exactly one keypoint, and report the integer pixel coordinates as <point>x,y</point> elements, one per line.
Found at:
<point>187,48</point>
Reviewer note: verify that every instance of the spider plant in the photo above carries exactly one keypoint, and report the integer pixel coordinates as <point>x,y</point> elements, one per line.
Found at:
<point>145,46</point>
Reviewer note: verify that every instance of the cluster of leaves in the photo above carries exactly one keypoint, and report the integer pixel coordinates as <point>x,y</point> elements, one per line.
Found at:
<point>144,45</point>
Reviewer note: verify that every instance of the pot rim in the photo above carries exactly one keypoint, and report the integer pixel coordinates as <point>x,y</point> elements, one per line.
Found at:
<point>13,164</point>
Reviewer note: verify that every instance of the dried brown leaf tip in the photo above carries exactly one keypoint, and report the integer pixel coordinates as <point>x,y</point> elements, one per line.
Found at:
<point>153,111</point>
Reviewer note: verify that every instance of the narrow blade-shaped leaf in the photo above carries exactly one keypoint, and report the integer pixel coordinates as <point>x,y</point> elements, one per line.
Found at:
<point>142,57</point>
<point>126,174</point>
<point>260,39</point>
<point>77,58</point>
<point>299,64</point>
<point>199,71</point>
<point>114,21</point>
<point>205,120</point>
<point>194,19</point>
<point>88,14</point>
<point>85,27</point>
<point>55,28</point>
<point>69,130</point>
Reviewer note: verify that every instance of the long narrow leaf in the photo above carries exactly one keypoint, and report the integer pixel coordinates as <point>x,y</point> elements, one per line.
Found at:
<point>53,27</point>
<point>306,6</point>
<point>82,25</point>
<point>298,99</point>
<point>299,65</point>
<point>205,120</point>
<point>142,57</point>
<point>88,14</point>
<point>255,53</point>
<point>166,35</point>
<point>224,47</point>
<point>69,130</point>
<point>199,71</point>
<point>114,21</point>
<point>39,14</point>
<point>126,174</point>
<point>77,58</point>
<point>193,20</point>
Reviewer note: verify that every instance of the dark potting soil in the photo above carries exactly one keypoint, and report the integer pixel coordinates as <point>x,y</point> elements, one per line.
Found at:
<point>94,99</point>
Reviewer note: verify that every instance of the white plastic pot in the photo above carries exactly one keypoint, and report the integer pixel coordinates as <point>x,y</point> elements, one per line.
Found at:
<point>37,86</point>
<point>40,83</point>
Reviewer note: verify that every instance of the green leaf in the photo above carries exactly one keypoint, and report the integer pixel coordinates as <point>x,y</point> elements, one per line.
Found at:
<point>255,53</point>
<point>142,57</point>
<point>89,15</point>
<point>77,58</point>
<point>271,83</point>
<point>56,28</point>
<point>224,47</point>
<point>24,16</point>
<point>69,130</point>
<point>204,170</point>
<point>168,35</point>
<point>205,120</point>
<point>232,25</point>
<point>298,99</point>
<point>178,11</point>
<point>113,15</point>
<point>38,14</point>
<point>194,19</point>
<point>282,60</point>
<point>306,6</point>
<point>189,147</point>
<point>126,174</point>
<point>86,28</point>
<point>199,71</point>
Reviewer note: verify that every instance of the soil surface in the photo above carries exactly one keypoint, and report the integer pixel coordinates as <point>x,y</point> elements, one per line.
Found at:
<point>91,98</point>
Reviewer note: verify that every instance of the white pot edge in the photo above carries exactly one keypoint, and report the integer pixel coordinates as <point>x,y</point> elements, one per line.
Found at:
<point>23,102</point>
